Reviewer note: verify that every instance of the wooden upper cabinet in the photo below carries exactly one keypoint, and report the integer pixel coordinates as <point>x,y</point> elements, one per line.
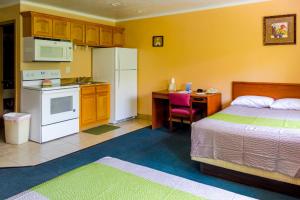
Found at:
<point>36,24</point>
<point>106,36</point>
<point>61,29</point>
<point>78,32</point>
<point>92,34</point>
<point>118,37</point>
<point>42,26</point>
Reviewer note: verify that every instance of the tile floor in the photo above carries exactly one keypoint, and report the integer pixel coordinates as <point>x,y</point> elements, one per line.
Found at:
<point>32,153</point>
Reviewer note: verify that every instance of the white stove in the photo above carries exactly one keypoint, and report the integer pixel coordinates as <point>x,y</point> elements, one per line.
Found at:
<point>52,87</point>
<point>54,109</point>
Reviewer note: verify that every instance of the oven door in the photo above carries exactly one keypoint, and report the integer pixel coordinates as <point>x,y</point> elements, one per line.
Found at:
<point>60,105</point>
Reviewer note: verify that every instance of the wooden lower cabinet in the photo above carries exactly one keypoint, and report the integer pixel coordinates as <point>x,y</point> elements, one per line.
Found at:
<point>103,106</point>
<point>94,105</point>
<point>88,109</point>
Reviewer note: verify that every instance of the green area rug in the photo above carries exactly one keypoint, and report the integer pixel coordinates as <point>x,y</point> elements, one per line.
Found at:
<point>101,129</point>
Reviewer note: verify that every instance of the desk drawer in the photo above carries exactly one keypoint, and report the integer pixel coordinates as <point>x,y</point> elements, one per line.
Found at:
<point>160,96</point>
<point>199,99</point>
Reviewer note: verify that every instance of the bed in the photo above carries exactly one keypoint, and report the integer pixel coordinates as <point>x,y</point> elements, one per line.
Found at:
<point>111,178</point>
<point>255,146</point>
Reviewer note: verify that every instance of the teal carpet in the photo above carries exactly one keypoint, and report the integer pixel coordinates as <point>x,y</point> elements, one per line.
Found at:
<point>157,149</point>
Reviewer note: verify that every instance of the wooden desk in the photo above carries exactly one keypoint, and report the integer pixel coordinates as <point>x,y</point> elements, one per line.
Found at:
<point>209,103</point>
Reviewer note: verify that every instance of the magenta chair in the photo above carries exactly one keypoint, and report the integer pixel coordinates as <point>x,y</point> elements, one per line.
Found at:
<point>180,106</point>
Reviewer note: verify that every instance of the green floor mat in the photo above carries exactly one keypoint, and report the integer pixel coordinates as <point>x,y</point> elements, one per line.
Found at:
<point>101,129</point>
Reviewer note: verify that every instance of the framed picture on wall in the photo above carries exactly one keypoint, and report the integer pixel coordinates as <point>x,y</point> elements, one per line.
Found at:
<point>280,30</point>
<point>158,41</point>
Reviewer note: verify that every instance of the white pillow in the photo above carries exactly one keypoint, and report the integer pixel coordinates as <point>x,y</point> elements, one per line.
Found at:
<point>287,104</point>
<point>253,101</point>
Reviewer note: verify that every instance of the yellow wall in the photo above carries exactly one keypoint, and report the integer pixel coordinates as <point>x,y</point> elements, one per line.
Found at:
<point>212,48</point>
<point>81,66</point>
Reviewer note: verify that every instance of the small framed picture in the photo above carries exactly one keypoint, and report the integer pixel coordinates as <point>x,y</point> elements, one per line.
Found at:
<point>158,41</point>
<point>280,30</point>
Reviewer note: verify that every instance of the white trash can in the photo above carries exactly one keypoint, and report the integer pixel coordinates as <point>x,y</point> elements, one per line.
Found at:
<point>16,127</point>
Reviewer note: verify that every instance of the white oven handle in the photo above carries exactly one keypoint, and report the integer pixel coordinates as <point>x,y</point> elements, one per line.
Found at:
<point>60,91</point>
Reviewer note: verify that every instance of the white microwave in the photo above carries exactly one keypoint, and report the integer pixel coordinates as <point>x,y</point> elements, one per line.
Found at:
<point>47,50</point>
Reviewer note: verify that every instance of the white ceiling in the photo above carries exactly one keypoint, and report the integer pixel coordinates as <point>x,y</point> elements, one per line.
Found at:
<point>128,9</point>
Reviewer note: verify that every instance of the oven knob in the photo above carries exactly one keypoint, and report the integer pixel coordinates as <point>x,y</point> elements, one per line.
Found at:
<point>74,110</point>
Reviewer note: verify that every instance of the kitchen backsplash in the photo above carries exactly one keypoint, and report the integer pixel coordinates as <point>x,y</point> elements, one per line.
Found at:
<point>81,66</point>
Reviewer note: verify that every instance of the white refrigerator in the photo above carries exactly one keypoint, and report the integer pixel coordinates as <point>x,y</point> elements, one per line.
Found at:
<point>118,66</point>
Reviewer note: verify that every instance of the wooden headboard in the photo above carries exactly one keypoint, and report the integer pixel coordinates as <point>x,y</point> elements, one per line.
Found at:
<point>275,90</point>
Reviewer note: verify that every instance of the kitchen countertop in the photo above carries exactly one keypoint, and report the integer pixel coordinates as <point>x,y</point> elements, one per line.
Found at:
<point>86,81</point>
<point>92,84</point>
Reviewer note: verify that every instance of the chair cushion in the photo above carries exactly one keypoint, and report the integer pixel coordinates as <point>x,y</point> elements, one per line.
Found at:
<point>182,111</point>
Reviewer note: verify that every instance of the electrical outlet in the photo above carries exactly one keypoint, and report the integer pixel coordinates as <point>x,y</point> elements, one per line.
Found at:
<point>68,69</point>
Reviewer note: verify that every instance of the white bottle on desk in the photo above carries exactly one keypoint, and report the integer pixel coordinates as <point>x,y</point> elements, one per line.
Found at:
<point>172,85</point>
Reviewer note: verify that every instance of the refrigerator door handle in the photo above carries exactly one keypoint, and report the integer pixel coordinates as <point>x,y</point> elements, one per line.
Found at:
<point>119,71</point>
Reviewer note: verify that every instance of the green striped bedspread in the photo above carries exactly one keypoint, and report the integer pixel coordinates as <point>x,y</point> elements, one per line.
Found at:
<point>114,179</point>
<point>256,137</point>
